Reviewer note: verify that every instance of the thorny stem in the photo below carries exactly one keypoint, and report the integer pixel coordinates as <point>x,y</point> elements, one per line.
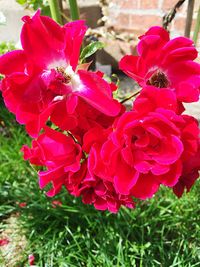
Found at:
<point>126,99</point>
<point>55,11</point>
<point>74,11</point>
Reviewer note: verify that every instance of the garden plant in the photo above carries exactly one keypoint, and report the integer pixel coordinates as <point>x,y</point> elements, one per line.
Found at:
<point>86,140</point>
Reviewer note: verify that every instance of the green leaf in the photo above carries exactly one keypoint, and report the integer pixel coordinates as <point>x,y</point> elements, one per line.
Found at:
<point>6,47</point>
<point>91,49</point>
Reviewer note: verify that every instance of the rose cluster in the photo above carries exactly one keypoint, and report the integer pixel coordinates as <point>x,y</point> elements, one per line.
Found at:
<point>84,139</point>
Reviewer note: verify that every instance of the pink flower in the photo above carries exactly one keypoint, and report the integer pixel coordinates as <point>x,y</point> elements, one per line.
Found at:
<point>165,63</point>
<point>96,188</point>
<point>147,150</point>
<point>59,154</point>
<point>189,175</point>
<point>151,98</point>
<point>4,241</point>
<point>92,146</point>
<point>83,118</point>
<point>46,72</point>
<point>191,165</point>
<point>102,194</point>
<point>31,259</point>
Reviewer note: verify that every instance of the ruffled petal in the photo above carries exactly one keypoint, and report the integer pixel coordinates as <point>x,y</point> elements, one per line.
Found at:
<point>125,178</point>
<point>145,187</point>
<point>74,34</point>
<point>13,61</point>
<point>42,39</point>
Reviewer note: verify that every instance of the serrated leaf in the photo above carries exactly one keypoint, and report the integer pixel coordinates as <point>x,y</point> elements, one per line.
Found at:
<point>91,49</point>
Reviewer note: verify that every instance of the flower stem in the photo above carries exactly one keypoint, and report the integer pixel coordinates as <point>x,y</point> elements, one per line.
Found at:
<point>55,11</point>
<point>129,97</point>
<point>74,11</point>
<point>197,28</point>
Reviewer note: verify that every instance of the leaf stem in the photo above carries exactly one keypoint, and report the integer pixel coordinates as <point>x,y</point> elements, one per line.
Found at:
<point>74,11</point>
<point>55,11</point>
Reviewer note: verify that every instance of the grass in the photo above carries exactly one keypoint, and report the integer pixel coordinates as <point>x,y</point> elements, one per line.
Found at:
<point>163,231</point>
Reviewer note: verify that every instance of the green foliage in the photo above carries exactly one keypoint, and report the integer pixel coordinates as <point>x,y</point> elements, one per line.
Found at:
<point>90,49</point>
<point>35,5</point>
<point>163,231</point>
<point>6,47</point>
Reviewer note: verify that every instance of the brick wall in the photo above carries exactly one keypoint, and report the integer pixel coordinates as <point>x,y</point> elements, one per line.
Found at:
<point>138,15</point>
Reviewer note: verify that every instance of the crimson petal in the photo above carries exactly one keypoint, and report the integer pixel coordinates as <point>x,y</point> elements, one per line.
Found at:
<point>95,91</point>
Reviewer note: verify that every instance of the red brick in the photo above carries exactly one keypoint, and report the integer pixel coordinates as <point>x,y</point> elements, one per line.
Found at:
<point>193,24</point>
<point>126,4</point>
<point>169,4</point>
<point>148,4</point>
<point>142,23</point>
<point>179,25</point>
<point>122,21</point>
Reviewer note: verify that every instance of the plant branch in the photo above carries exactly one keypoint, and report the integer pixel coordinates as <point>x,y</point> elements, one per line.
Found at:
<point>167,19</point>
<point>61,10</point>
<point>188,24</point>
<point>74,11</point>
<point>197,28</point>
<point>55,11</point>
<point>129,97</point>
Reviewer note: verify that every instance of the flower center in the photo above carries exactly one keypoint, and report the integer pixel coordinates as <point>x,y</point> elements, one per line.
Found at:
<point>158,79</point>
<point>64,77</point>
<point>68,76</point>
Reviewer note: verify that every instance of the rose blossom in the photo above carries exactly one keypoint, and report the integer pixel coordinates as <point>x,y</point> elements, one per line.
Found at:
<point>189,175</point>
<point>191,157</point>
<point>92,146</point>
<point>97,186</point>
<point>46,71</point>
<point>83,117</point>
<point>148,150</point>
<point>59,154</point>
<point>165,63</point>
<point>151,98</point>
<point>102,194</point>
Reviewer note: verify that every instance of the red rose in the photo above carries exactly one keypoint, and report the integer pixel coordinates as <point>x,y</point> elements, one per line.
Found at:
<point>148,150</point>
<point>56,152</point>
<point>165,63</point>
<point>46,72</point>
